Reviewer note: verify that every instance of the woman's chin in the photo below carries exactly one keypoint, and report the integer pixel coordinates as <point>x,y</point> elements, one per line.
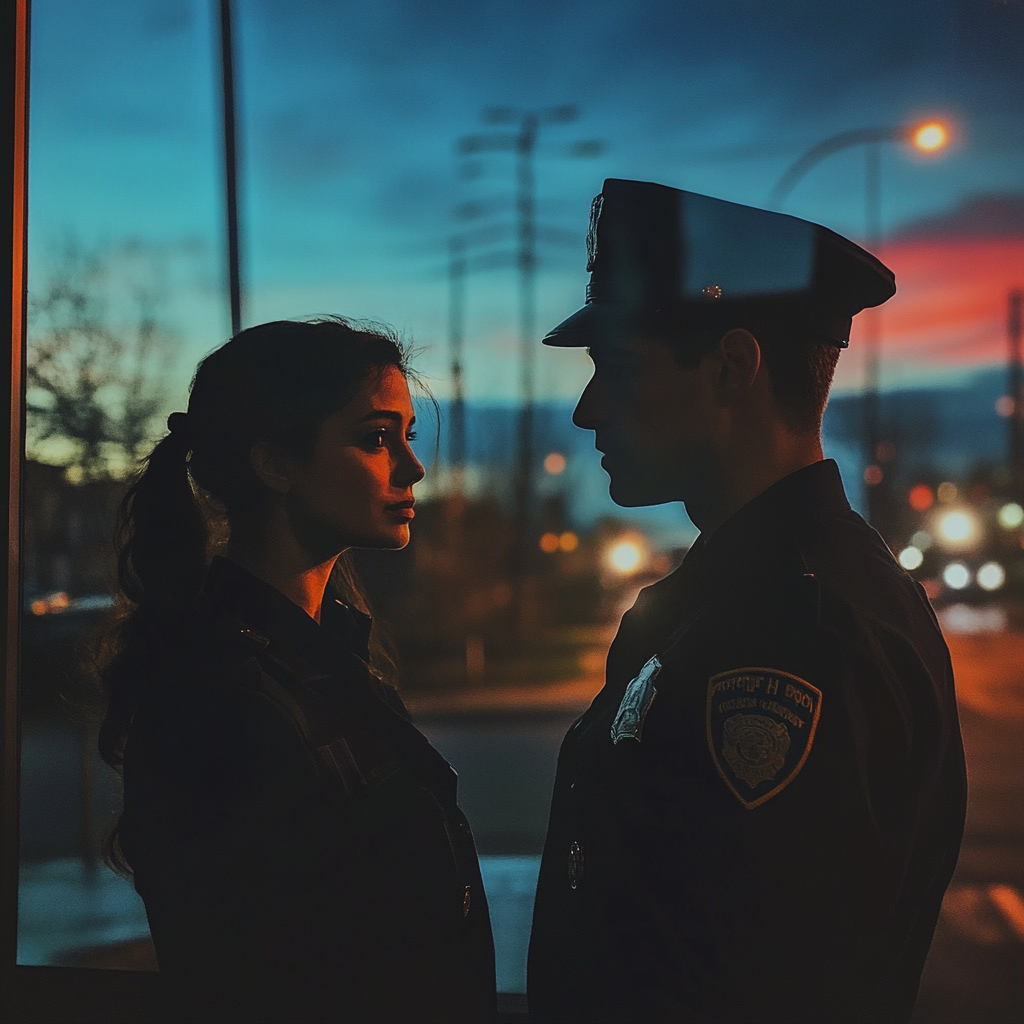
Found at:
<point>391,538</point>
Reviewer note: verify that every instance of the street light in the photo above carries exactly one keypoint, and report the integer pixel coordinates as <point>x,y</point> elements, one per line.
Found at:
<point>927,137</point>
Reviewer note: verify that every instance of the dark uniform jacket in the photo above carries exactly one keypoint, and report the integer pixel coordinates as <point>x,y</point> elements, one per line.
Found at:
<point>295,839</point>
<point>771,836</point>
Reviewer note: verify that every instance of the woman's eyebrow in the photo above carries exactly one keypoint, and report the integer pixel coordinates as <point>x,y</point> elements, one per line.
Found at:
<point>384,414</point>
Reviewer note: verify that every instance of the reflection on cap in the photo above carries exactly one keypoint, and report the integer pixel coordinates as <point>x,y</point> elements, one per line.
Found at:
<point>655,248</point>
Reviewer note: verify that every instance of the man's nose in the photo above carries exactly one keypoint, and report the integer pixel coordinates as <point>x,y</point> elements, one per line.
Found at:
<point>589,413</point>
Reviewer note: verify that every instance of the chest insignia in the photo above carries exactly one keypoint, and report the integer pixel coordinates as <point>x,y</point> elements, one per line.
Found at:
<point>760,724</point>
<point>636,702</point>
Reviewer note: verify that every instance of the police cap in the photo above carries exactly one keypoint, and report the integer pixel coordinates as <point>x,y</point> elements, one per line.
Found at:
<point>679,259</point>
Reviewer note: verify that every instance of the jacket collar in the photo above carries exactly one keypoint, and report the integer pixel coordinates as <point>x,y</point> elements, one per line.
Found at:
<point>290,635</point>
<point>756,536</point>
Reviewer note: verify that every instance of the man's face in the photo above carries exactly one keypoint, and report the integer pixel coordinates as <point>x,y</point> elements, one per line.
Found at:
<point>654,420</point>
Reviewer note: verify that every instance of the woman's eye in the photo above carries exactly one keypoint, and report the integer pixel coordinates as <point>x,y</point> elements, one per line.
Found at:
<point>411,436</point>
<point>378,439</point>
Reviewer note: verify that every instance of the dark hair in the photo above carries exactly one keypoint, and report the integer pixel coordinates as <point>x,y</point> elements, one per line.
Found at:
<point>275,382</point>
<point>800,361</point>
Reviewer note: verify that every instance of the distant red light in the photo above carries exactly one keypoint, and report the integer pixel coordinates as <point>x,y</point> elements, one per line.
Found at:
<point>921,498</point>
<point>873,476</point>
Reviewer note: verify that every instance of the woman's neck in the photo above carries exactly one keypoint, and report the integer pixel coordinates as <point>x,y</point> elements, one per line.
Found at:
<point>281,562</point>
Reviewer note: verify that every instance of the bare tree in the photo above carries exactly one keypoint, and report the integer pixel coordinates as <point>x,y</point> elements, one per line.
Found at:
<point>97,355</point>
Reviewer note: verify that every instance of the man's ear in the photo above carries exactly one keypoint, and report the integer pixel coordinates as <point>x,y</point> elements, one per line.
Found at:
<point>270,463</point>
<point>737,358</point>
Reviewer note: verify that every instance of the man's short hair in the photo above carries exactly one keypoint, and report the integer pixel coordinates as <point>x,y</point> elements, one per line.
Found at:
<point>800,361</point>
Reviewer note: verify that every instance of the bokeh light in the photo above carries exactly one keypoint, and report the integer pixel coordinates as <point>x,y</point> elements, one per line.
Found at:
<point>958,529</point>
<point>921,498</point>
<point>549,543</point>
<point>554,463</point>
<point>956,575</point>
<point>568,541</point>
<point>873,476</point>
<point>922,540</point>
<point>1010,516</point>
<point>947,491</point>
<point>625,556</point>
<point>911,558</point>
<point>991,576</point>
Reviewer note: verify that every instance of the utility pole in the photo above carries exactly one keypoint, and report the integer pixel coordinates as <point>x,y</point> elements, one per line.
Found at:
<point>227,64</point>
<point>523,142</point>
<point>929,137</point>
<point>456,337</point>
<point>1016,393</point>
<point>872,336</point>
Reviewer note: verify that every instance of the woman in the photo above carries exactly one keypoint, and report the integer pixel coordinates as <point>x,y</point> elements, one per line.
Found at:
<point>295,839</point>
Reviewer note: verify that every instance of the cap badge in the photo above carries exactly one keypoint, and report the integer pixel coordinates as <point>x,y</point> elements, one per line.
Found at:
<point>595,216</point>
<point>636,702</point>
<point>760,727</point>
<point>712,291</point>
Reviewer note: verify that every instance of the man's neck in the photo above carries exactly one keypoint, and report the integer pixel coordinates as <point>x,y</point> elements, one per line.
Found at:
<point>748,471</point>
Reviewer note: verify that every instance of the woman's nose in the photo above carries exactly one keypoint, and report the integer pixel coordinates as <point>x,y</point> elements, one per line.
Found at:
<point>409,470</point>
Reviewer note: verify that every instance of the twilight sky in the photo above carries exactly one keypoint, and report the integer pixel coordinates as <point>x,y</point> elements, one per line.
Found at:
<point>350,112</point>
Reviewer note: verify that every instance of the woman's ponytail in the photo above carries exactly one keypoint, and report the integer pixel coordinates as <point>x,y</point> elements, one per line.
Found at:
<point>161,561</point>
<point>161,529</point>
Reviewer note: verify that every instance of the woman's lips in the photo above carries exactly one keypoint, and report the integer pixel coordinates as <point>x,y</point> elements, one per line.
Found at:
<point>402,509</point>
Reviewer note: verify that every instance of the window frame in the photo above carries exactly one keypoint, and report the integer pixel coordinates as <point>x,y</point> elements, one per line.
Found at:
<point>28,994</point>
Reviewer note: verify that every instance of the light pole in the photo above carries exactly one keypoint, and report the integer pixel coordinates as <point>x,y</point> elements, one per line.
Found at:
<point>1015,332</point>
<point>227,67</point>
<point>456,335</point>
<point>522,141</point>
<point>926,137</point>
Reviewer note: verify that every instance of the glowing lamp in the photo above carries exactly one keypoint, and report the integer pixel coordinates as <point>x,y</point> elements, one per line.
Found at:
<point>957,529</point>
<point>930,137</point>
<point>625,556</point>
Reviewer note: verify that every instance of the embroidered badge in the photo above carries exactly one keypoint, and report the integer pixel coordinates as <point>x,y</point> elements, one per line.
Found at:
<point>636,702</point>
<point>761,724</point>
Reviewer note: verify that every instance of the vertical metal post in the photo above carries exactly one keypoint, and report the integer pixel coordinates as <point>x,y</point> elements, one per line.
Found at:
<point>456,338</point>
<point>1016,393</point>
<point>14,45</point>
<point>871,337</point>
<point>227,63</point>
<point>527,259</point>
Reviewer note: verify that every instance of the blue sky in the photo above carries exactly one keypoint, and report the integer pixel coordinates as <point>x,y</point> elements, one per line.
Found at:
<point>350,112</point>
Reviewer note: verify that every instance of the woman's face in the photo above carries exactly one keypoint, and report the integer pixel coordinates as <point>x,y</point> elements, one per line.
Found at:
<point>356,489</point>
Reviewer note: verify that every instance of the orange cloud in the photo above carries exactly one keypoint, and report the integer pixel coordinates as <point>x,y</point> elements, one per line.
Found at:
<point>950,307</point>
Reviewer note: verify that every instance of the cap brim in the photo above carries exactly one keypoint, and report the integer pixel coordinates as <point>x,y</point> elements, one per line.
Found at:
<point>585,326</point>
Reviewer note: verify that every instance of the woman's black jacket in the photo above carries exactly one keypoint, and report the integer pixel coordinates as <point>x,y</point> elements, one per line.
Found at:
<point>295,838</point>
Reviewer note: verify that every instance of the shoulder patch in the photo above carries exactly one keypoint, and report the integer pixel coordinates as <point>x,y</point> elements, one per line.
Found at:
<point>761,724</point>
<point>636,702</point>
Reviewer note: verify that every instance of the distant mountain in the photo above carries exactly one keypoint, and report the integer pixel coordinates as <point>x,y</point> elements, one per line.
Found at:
<point>948,429</point>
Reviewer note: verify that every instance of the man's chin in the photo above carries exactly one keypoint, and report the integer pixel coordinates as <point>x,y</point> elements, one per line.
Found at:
<point>632,495</point>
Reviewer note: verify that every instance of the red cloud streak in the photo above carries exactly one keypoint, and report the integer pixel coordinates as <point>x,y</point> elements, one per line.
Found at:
<point>950,307</point>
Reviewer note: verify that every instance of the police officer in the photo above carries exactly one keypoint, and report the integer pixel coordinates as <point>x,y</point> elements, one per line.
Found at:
<point>758,815</point>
